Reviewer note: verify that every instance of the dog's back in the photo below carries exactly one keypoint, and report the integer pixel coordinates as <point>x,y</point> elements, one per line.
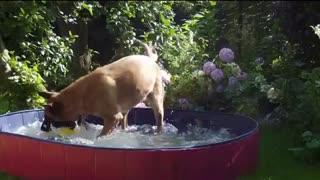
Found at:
<point>113,89</point>
<point>134,77</point>
<point>129,79</point>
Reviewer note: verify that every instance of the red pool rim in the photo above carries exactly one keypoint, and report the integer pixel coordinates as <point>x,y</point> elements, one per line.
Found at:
<point>49,159</point>
<point>238,137</point>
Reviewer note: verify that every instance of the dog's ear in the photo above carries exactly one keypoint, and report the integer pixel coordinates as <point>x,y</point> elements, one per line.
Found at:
<point>47,94</point>
<point>47,106</point>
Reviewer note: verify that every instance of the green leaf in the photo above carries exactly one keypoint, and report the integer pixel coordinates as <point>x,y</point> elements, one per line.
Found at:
<point>313,144</point>
<point>198,16</point>
<point>167,7</point>
<point>86,6</point>
<point>213,3</point>
<point>171,32</point>
<point>73,35</point>
<point>22,10</point>
<point>164,20</point>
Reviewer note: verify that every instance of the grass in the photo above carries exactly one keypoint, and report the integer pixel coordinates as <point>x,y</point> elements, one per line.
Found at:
<point>275,163</point>
<point>7,177</point>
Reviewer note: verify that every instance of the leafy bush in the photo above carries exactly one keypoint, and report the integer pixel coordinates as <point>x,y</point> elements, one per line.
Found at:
<point>183,53</point>
<point>179,53</point>
<point>37,56</point>
<point>21,89</point>
<point>122,17</point>
<point>310,151</point>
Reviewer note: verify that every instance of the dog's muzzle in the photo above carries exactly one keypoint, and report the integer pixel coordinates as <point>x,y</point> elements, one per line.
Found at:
<point>49,120</point>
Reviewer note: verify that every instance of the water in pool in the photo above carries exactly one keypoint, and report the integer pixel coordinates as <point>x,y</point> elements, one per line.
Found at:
<point>136,136</point>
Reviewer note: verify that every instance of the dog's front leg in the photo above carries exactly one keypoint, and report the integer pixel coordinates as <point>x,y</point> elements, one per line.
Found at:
<point>110,122</point>
<point>124,122</point>
<point>81,121</point>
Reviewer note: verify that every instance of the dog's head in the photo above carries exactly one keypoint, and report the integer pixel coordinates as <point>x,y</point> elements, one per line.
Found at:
<point>56,113</point>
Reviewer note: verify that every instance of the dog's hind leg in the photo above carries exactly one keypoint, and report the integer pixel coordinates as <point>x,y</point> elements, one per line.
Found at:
<point>156,99</point>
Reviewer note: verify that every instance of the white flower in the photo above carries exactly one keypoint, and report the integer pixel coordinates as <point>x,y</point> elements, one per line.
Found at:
<point>316,30</point>
<point>198,73</point>
<point>141,105</point>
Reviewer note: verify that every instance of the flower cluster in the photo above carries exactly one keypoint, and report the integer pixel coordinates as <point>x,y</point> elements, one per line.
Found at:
<point>217,75</point>
<point>226,55</point>
<point>225,74</point>
<point>208,67</point>
<point>183,102</point>
<point>259,61</point>
<point>226,69</point>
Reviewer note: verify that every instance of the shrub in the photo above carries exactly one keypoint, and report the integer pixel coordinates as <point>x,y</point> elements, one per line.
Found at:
<point>36,55</point>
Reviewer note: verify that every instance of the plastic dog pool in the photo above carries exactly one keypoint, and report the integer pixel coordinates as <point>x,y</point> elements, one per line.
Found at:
<point>33,158</point>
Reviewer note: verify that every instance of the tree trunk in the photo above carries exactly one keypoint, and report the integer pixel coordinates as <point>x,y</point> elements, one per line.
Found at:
<point>240,30</point>
<point>4,57</point>
<point>80,45</point>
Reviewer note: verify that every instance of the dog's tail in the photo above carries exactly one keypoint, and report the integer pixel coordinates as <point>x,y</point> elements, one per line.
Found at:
<point>149,50</point>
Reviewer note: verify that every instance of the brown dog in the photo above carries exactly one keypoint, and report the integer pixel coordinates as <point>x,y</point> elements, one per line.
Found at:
<point>111,91</point>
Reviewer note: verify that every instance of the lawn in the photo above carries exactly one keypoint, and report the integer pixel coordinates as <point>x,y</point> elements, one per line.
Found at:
<point>6,177</point>
<point>275,163</point>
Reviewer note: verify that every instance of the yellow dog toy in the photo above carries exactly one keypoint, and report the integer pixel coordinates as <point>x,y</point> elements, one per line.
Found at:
<point>63,132</point>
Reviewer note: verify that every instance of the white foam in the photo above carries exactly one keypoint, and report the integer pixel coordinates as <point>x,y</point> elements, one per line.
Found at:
<point>134,137</point>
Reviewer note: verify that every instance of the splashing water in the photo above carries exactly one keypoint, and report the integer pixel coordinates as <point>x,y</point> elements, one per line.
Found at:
<point>136,136</point>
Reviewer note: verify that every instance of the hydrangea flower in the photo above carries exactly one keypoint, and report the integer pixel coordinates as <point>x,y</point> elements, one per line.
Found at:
<point>272,94</point>
<point>220,88</point>
<point>233,82</point>
<point>242,76</point>
<point>197,73</point>
<point>217,75</point>
<point>166,77</point>
<point>183,102</point>
<point>259,61</point>
<point>208,67</point>
<point>141,105</point>
<point>226,55</point>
